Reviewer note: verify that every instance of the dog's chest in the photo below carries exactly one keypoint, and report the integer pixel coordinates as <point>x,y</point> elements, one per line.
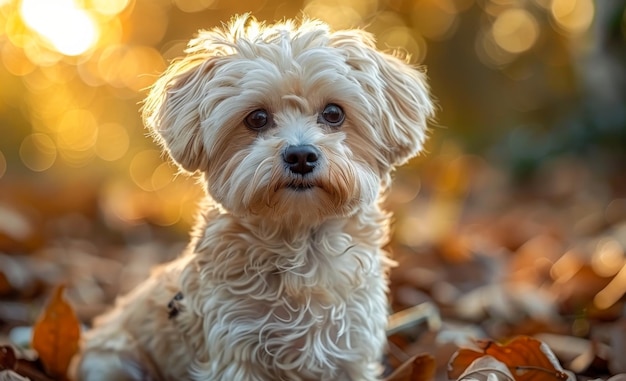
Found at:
<point>306,336</point>
<point>303,320</point>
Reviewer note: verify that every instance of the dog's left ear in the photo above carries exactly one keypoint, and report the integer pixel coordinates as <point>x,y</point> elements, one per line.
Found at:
<point>399,92</point>
<point>170,110</point>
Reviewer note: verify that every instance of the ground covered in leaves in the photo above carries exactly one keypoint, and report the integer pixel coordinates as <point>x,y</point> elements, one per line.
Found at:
<point>528,274</point>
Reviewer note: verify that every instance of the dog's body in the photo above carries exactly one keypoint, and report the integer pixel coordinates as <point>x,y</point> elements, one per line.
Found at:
<point>296,130</point>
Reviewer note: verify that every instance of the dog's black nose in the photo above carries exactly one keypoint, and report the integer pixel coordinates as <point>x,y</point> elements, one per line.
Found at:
<point>301,159</point>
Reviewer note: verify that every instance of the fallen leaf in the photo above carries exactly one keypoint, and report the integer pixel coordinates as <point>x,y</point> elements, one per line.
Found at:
<point>56,335</point>
<point>487,368</point>
<point>424,368</point>
<point>526,358</point>
<point>13,367</point>
<point>419,368</point>
<point>8,359</point>
<point>617,377</point>
<point>9,375</point>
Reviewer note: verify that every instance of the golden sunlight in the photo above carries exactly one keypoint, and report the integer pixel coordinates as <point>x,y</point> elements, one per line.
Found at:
<point>69,29</point>
<point>515,30</point>
<point>573,16</point>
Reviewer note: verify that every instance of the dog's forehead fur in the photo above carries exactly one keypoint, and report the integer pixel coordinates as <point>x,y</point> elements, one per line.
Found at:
<point>246,36</point>
<point>279,67</point>
<point>304,83</point>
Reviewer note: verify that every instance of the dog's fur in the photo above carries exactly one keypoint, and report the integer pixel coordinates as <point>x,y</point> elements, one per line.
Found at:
<point>285,278</point>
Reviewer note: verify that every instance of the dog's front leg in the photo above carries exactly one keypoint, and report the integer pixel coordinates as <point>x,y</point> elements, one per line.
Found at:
<point>137,340</point>
<point>214,371</point>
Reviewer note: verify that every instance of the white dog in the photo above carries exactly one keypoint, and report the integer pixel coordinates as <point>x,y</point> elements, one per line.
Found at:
<point>295,130</point>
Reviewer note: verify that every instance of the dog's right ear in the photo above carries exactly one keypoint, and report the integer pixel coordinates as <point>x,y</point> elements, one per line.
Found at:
<point>171,110</point>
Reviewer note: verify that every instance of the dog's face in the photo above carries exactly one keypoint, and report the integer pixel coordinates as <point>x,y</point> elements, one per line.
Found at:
<point>290,123</point>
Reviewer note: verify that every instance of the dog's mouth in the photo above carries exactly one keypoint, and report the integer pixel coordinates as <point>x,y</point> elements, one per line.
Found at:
<point>300,186</point>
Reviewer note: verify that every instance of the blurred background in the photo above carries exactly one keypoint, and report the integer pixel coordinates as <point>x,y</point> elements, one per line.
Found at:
<point>516,212</point>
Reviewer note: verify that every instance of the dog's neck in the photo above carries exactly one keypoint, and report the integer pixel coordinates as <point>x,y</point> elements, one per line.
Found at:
<point>368,224</point>
<point>349,248</point>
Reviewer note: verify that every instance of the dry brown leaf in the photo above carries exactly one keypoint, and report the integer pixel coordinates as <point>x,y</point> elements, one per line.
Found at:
<point>8,360</point>
<point>424,368</point>
<point>403,372</point>
<point>420,367</point>
<point>56,335</point>
<point>527,359</point>
<point>9,375</point>
<point>616,377</point>
<point>487,368</point>
<point>12,367</point>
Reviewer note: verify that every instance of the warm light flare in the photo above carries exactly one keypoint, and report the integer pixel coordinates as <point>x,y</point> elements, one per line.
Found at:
<point>515,30</point>
<point>38,152</point>
<point>573,16</point>
<point>68,28</point>
<point>566,267</point>
<point>608,258</point>
<point>613,291</point>
<point>435,19</point>
<point>110,7</point>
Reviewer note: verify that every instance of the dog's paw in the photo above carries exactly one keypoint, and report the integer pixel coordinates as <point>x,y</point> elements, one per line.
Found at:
<point>175,305</point>
<point>123,365</point>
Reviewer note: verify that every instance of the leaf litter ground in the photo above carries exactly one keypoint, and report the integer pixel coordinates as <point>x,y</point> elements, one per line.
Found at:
<point>535,269</point>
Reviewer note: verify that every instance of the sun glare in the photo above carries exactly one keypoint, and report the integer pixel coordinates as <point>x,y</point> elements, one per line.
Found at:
<point>68,28</point>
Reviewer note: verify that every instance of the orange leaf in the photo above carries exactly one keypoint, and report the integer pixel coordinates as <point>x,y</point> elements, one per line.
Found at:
<point>528,359</point>
<point>424,368</point>
<point>419,368</point>
<point>460,361</point>
<point>56,335</point>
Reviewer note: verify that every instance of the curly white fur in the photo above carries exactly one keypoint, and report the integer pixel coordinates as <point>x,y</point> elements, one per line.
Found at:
<point>285,278</point>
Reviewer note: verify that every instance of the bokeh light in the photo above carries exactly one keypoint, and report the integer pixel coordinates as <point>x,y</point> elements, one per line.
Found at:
<point>608,258</point>
<point>109,7</point>
<point>69,29</point>
<point>193,5</point>
<point>566,267</point>
<point>15,60</point>
<point>572,16</point>
<point>339,15</point>
<point>142,168</point>
<point>132,67</point>
<point>38,152</point>
<point>613,291</point>
<point>435,19</point>
<point>489,52</point>
<point>79,69</point>
<point>112,142</point>
<point>515,30</point>
<point>77,131</point>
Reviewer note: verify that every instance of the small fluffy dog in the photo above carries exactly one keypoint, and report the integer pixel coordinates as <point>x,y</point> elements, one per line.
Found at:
<point>295,130</point>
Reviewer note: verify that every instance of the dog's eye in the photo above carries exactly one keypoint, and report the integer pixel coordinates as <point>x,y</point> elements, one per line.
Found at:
<point>257,119</point>
<point>332,115</point>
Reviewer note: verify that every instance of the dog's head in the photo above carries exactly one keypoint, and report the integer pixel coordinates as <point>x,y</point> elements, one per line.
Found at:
<point>290,121</point>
